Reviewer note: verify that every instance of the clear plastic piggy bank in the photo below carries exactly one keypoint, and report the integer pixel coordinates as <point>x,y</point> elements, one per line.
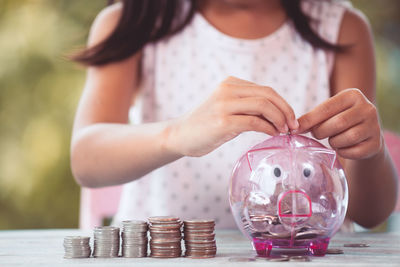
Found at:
<point>288,192</point>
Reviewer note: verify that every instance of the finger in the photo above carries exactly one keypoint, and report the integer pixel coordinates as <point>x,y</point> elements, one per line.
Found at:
<point>350,137</point>
<point>324,111</point>
<point>337,124</point>
<point>257,106</point>
<point>359,151</point>
<point>245,123</point>
<point>273,96</point>
<point>232,80</point>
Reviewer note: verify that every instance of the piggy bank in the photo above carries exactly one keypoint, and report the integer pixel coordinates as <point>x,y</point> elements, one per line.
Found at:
<point>288,192</point>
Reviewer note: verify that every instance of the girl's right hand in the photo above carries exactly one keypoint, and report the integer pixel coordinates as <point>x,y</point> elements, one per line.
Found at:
<point>236,106</point>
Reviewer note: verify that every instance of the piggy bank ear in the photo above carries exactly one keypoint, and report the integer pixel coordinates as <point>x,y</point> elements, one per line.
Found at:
<point>254,156</point>
<point>327,156</point>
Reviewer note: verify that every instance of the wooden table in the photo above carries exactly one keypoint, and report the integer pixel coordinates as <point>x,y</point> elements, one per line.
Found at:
<point>45,248</point>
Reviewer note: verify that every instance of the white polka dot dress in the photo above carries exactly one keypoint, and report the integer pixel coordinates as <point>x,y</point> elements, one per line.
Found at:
<point>181,72</point>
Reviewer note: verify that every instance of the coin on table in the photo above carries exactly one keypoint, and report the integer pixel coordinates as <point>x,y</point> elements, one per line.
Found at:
<point>334,251</point>
<point>106,242</point>
<point>77,247</point>
<point>299,258</point>
<point>199,238</point>
<point>279,258</point>
<point>134,239</point>
<point>163,220</point>
<point>241,259</point>
<point>356,245</point>
<point>166,236</point>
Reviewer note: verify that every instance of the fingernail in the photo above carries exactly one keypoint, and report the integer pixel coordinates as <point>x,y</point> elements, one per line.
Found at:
<point>286,128</point>
<point>294,131</point>
<point>296,124</point>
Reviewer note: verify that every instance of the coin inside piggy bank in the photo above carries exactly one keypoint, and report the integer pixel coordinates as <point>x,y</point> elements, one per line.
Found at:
<point>289,191</point>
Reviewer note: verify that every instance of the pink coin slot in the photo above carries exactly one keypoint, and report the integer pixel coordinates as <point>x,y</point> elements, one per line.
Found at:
<point>294,203</point>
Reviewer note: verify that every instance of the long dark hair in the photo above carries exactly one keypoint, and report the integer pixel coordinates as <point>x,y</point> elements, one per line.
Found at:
<point>146,21</point>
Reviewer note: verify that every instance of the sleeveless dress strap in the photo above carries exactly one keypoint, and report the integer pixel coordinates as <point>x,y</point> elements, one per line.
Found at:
<point>327,17</point>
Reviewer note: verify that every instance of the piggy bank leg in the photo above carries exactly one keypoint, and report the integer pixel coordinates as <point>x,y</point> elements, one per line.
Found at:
<point>318,247</point>
<point>262,247</point>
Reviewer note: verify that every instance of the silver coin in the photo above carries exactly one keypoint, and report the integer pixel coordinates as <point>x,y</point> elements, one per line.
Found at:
<point>334,251</point>
<point>310,234</point>
<point>299,258</point>
<point>131,223</point>
<point>77,238</point>
<point>356,245</point>
<point>241,259</point>
<point>134,239</point>
<point>105,229</point>
<point>76,247</point>
<point>269,219</point>
<point>106,242</point>
<point>278,259</point>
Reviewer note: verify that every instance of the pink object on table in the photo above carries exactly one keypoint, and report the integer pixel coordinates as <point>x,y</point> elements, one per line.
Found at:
<point>289,192</point>
<point>97,204</point>
<point>393,144</point>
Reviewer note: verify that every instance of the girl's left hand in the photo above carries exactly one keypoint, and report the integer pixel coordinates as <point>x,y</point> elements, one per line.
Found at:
<point>351,123</point>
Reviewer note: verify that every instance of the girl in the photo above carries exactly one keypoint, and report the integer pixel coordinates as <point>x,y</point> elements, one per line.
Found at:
<point>208,79</point>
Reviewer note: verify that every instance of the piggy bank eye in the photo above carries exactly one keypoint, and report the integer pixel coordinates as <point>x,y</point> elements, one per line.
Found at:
<point>277,171</point>
<point>307,170</point>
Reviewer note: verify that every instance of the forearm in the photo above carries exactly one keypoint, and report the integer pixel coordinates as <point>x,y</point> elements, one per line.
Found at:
<point>372,188</point>
<point>110,154</point>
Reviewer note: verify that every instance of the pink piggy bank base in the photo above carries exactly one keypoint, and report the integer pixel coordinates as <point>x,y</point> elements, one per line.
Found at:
<point>289,191</point>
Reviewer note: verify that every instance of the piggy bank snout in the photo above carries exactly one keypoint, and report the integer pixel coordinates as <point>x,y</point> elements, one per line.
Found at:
<point>294,203</point>
<point>294,207</point>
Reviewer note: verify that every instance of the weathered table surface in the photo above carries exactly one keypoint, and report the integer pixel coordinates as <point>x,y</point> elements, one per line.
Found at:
<point>45,248</point>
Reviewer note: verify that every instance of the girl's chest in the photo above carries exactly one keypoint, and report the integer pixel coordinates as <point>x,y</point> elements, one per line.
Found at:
<point>185,70</point>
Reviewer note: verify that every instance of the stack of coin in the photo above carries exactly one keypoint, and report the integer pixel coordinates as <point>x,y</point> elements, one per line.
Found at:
<point>76,247</point>
<point>166,236</point>
<point>134,239</point>
<point>199,238</point>
<point>106,242</point>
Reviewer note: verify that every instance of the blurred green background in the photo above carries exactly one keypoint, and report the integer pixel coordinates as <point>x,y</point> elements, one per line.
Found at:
<point>39,91</point>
